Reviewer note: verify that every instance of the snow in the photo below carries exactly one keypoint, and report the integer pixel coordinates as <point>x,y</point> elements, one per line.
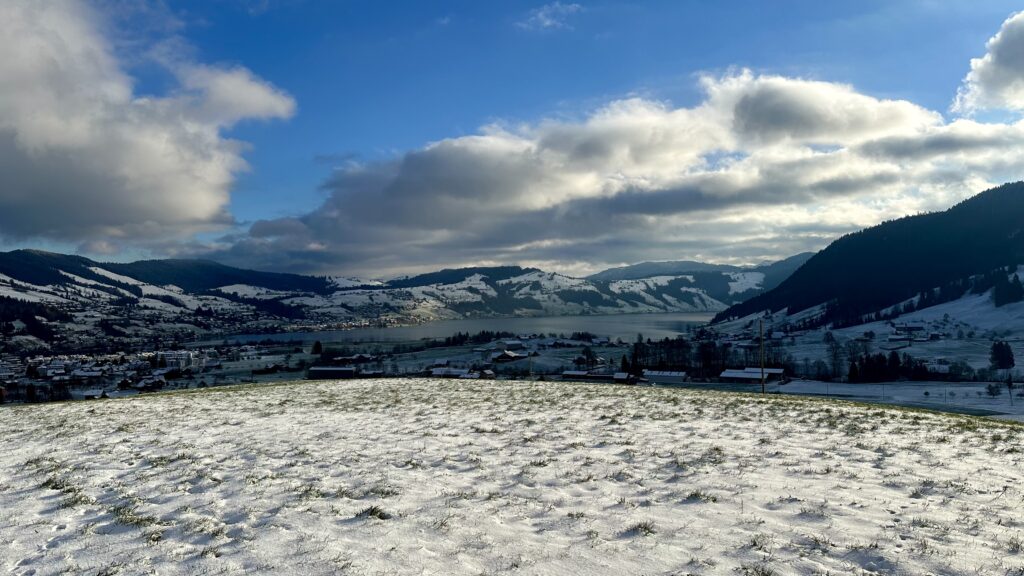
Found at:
<point>743,281</point>
<point>642,284</point>
<point>247,291</point>
<point>977,310</point>
<point>8,292</point>
<point>469,290</point>
<point>547,282</point>
<point>472,477</point>
<point>117,277</point>
<point>79,280</point>
<point>341,282</point>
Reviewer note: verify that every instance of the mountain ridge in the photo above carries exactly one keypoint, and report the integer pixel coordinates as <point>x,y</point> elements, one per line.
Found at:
<point>153,300</point>
<point>866,271</point>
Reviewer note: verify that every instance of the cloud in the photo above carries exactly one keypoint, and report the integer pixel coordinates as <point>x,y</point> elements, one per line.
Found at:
<point>996,80</point>
<point>550,16</point>
<point>87,160</point>
<point>223,96</point>
<point>762,167</point>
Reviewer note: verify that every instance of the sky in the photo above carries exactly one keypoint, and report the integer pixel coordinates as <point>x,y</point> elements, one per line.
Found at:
<point>376,138</point>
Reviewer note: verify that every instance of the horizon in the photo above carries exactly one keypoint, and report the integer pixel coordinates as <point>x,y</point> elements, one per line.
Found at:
<point>372,142</point>
<point>402,276</point>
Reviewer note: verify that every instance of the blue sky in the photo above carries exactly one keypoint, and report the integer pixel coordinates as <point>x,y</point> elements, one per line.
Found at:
<point>373,79</point>
<point>377,138</point>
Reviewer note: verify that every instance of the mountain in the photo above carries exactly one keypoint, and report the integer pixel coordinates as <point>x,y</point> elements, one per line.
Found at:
<point>649,269</point>
<point>928,258</point>
<point>777,272</point>
<point>729,284</point>
<point>47,268</point>
<point>200,275</point>
<point>456,275</point>
<point>72,302</point>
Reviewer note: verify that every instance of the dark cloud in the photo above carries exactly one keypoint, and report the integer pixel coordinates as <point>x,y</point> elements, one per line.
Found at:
<point>765,167</point>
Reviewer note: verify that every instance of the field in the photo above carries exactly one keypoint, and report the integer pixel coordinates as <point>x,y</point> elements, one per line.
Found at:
<point>419,476</point>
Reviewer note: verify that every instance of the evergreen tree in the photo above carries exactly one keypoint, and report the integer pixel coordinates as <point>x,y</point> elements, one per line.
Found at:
<point>1001,356</point>
<point>854,374</point>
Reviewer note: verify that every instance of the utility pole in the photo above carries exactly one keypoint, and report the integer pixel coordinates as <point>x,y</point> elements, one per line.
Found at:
<point>761,335</point>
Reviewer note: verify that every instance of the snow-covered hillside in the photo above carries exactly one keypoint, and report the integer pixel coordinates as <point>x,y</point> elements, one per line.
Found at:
<point>455,477</point>
<point>961,329</point>
<point>159,300</point>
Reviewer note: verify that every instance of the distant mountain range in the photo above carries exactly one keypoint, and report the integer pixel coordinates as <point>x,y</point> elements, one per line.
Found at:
<point>82,302</point>
<point>909,263</point>
<point>961,261</point>
<point>774,272</point>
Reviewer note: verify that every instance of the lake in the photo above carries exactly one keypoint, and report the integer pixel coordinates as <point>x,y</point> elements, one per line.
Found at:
<point>625,326</point>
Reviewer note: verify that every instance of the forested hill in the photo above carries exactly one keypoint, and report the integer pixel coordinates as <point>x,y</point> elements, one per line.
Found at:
<point>200,275</point>
<point>881,266</point>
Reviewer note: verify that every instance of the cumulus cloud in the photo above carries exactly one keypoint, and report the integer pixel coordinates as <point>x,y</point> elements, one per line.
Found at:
<point>996,80</point>
<point>762,167</point>
<point>550,16</point>
<point>85,159</point>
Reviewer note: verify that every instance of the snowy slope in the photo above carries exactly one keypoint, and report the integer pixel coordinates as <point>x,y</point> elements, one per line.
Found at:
<point>418,476</point>
<point>745,281</point>
<point>250,301</point>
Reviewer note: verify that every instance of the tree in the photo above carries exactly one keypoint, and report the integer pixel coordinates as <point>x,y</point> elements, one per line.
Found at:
<point>1001,356</point>
<point>854,374</point>
<point>589,358</point>
<point>1006,291</point>
<point>835,353</point>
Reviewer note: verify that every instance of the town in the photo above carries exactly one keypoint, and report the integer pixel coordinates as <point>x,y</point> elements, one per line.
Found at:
<point>702,356</point>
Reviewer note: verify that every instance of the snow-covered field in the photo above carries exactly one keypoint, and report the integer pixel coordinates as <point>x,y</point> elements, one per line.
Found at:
<point>455,477</point>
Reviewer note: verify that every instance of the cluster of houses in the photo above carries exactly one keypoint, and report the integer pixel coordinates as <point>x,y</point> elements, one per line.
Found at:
<point>904,334</point>
<point>672,377</point>
<point>84,376</point>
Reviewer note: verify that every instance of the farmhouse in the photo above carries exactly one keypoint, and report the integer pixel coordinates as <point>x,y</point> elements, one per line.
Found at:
<point>506,356</point>
<point>331,372</point>
<point>448,372</point>
<point>665,377</point>
<point>513,344</point>
<point>752,375</point>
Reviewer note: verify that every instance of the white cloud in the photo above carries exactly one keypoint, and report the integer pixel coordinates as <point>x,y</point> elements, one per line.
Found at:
<point>763,167</point>
<point>226,95</point>
<point>550,16</point>
<point>85,159</point>
<point>996,80</point>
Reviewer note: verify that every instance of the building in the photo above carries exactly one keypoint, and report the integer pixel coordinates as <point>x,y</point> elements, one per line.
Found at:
<point>665,377</point>
<point>331,372</point>
<point>752,375</point>
<point>506,356</point>
<point>575,375</point>
<point>178,359</point>
<point>448,372</point>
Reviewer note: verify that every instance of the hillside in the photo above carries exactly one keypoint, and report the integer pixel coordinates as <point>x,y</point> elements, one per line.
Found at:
<point>774,272</point>
<point>649,269</point>
<point>867,271</point>
<point>454,477</point>
<point>79,303</point>
<point>200,275</point>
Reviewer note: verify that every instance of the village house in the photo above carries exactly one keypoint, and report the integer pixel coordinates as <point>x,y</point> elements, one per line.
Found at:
<point>752,375</point>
